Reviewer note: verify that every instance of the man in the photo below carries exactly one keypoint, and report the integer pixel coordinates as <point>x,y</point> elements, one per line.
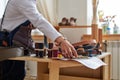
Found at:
<point>19,11</point>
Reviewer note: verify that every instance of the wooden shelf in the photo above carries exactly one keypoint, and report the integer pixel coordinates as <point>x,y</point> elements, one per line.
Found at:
<point>37,37</point>
<point>111,37</point>
<point>84,26</point>
<point>104,37</point>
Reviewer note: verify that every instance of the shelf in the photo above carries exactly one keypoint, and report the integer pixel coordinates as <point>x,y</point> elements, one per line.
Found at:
<point>39,38</point>
<point>84,26</point>
<point>111,37</point>
<point>104,37</point>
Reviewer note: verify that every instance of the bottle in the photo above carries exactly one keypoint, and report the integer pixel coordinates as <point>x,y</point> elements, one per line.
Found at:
<point>115,29</point>
<point>108,30</point>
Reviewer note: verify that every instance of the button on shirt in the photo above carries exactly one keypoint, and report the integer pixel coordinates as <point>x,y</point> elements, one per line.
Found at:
<point>18,11</point>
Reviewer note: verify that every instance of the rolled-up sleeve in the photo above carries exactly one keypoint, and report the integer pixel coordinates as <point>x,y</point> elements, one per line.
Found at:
<point>29,10</point>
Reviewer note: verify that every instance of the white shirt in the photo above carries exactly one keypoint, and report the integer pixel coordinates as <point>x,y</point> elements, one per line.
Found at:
<point>18,11</point>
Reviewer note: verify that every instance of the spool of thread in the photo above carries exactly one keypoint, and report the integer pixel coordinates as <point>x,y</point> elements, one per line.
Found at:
<point>39,45</point>
<point>50,46</point>
<point>39,53</point>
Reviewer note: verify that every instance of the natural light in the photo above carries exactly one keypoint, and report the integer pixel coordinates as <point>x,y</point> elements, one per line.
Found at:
<point>111,8</point>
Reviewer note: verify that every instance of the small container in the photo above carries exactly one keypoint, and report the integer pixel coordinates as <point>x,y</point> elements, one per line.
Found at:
<point>49,53</point>
<point>50,50</point>
<point>55,53</point>
<point>50,45</point>
<point>39,45</point>
<point>39,54</point>
<point>115,29</point>
<point>108,30</point>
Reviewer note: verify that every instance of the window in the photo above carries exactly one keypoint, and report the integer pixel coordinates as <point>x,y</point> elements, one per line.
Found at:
<point>110,8</point>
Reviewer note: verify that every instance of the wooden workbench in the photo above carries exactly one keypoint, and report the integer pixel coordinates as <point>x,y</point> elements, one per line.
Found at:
<point>49,69</point>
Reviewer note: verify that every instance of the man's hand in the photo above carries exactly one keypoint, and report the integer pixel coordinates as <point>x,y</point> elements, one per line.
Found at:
<point>68,51</point>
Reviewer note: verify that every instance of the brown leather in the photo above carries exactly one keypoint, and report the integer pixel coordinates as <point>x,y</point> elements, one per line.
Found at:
<point>84,42</point>
<point>23,37</point>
